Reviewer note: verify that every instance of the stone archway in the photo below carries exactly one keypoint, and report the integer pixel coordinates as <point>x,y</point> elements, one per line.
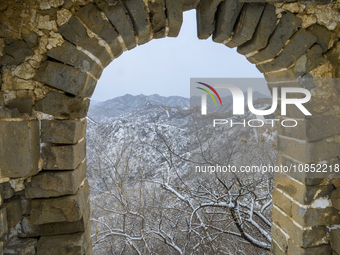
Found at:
<point>54,51</point>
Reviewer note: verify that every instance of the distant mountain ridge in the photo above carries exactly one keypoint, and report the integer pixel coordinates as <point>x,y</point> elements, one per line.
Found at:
<point>127,103</point>
<point>110,109</point>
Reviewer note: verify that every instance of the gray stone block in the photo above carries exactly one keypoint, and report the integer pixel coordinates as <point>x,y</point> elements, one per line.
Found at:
<point>190,4</point>
<point>335,237</point>
<point>226,17</point>
<point>14,211</point>
<point>262,33</point>
<point>140,19</point>
<point>8,190</point>
<point>117,16</point>
<point>62,131</point>
<point>296,250</point>
<point>60,105</point>
<point>336,198</point>
<point>66,157</point>
<point>157,17</point>
<point>174,10</point>
<point>15,52</point>
<point>300,42</point>
<point>74,32</point>
<point>247,23</point>
<point>65,244</point>
<point>324,36</point>
<point>205,14</point>
<point>55,183</point>
<point>93,19</point>
<point>66,78</point>
<point>60,209</point>
<point>3,221</point>
<point>60,228</point>
<point>23,104</point>
<point>32,39</point>
<point>20,153</point>
<point>21,247</point>
<point>309,61</point>
<point>68,54</point>
<point>287,26</point>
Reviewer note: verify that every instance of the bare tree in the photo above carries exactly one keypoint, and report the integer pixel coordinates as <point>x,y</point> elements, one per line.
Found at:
<point>151,205</point>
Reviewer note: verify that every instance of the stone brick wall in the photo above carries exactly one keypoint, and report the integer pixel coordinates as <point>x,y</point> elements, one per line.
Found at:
<point>52,52</point>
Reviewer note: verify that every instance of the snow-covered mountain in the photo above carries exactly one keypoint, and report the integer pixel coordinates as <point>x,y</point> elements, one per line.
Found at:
<point>143,125</point>
<point>102,112</point>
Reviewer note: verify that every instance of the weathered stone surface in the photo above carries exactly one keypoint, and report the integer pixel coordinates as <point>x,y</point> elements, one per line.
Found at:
<point>322,127</point>
<point>308,237</point>
<point>8,190</point>
<point>323,35</point>
<point>24,104</point>
<point>93,19</point>
<point>315,216</point>
<point>296,250</point>
<point>2,103</point>
<point>336,198</point>
<point>140,19</point>
<point>275,249</point>
<point>60,209</point>
<point>1,194</point>
<point>30,230</point>
<point>310,60</point>
<point>74,32</point>
<point>226,17</point>
<point>1,247</point>
<point>280,237</point>
<point>283,75</point>
<point>190,4</point>
<point>262,33</point>
<point>62,131</point>
<point>3,221</point>
<point>285,29</point>
<point>307,178</point>
<point>336,182</point>
<point>73,244</point>
<point>21,247</point>
<point>300,42</point>
<point>247,23</point>
<point>66,157</point>
<point>301,193</point>
<point>307,152</point>
<point>205,14</point>
<point>20,153</point>
<point>157,17</point>
<point>31,39</point>
<point>55,183</point>
<point>116,14</point>
<point>174,10</point>
<point>282,201</point>
<point>66,78</point>
<point>15,52</point>
<point>61,105</point>
<point>14,211</point>
<point>25,205</point>
<point>69,54</point>
<point>335,237</point>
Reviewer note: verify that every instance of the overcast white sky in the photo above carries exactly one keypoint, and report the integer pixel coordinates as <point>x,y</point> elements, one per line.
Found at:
<point>165,66</point>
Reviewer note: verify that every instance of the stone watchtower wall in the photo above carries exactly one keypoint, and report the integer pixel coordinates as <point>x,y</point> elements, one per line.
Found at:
<point>52,52</point>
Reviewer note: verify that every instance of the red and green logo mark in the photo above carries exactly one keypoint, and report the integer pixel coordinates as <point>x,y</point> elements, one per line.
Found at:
<point>209,93</point>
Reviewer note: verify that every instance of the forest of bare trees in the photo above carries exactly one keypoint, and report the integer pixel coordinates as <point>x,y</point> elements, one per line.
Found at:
<point>147,197</point>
